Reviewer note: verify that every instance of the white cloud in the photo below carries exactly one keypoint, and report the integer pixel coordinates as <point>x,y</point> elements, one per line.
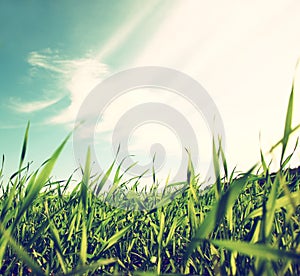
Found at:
<point>46,59</point>
<point>78,76</point>
<point>28,107</point>
<point>83,74</point>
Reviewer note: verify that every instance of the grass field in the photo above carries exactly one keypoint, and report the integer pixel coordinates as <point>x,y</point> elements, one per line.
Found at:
<point>245,224</point>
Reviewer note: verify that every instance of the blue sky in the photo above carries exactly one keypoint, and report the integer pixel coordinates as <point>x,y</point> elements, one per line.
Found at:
<point>43,45</point>
<point>53,53</point>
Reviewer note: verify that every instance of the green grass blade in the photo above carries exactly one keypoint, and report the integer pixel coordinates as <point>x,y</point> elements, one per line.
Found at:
<point>257,250</point>
<point>81,270</point>
<point>216,169</point>
<point>20,251</point>
<point>225,166</point>
<point>281,202</point>
<point>171,232</point>
<point>24,147</point>
<point>115,238</point>
<point>83,245</point>
<point>40,181</point>
<point>271,205</point>
<point>288,124</point>
<point>217,212</point>
<point>86,179</point>
<point>56,240</point>
<point>104,178</point>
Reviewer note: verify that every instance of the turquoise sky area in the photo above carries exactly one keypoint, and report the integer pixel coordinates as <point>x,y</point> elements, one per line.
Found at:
<point>38,42</point>
<point>52,53</point>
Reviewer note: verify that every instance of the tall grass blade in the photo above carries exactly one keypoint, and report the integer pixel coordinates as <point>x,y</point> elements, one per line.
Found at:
<point>217,212</point>
<point>288,124</point>
<point>216,169</point>
<point>24,147</point>
<point>40,181</point>
<point>258,250</point>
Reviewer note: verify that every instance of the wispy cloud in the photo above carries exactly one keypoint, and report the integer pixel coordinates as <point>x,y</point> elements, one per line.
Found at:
<point>47,59</point>
<point>78,76</point>
<point>81,76</point>
<point>28,107</point>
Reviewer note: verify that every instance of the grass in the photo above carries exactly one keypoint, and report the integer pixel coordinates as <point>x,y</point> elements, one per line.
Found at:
<point>245,224</point>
